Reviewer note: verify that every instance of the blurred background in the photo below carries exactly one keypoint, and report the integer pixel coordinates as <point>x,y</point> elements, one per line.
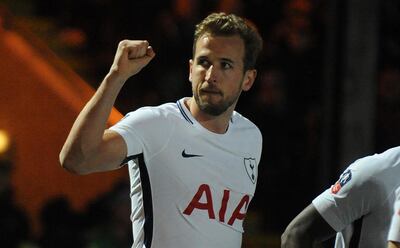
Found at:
<point>327,92</point>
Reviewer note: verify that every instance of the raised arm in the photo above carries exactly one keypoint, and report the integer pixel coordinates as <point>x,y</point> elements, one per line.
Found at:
<point>308,229</point>
<point>89,147</point>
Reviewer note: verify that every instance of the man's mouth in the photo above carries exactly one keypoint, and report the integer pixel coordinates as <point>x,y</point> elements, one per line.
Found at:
<point>211,91</point>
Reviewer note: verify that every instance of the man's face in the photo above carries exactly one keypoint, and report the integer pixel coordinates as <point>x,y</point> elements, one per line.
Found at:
<point>217,73</point>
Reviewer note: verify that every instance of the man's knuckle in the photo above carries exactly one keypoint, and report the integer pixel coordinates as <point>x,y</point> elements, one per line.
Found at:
<point>123,43</point>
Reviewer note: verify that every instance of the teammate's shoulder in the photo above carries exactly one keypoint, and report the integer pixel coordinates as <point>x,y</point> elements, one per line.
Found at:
<point>379,163</point>
<point>393,151</point>
<point>391,156</point>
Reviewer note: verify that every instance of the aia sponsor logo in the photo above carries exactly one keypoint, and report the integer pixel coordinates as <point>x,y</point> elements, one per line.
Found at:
<point>227,207</point>
<point>344,178</point>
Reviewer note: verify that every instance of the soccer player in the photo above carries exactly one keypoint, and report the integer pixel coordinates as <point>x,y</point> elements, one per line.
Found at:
<point>192,163</point>
<point>394,231</point>
<point>357,209</point>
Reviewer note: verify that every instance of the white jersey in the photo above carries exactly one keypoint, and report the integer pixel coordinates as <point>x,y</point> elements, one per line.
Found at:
<point>360,205</point>
<point>189,187</point>
<point>394,231</point>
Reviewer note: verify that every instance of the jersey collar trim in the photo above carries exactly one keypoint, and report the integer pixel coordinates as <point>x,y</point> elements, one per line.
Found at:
<point>182,110</point>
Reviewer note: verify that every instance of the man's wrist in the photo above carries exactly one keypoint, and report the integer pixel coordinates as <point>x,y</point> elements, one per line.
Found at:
<point>115,77</point>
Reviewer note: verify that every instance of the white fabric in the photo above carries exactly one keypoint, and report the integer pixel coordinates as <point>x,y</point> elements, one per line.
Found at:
<point>365,190</point>
<point>394,231</point>
<point>226,168</point>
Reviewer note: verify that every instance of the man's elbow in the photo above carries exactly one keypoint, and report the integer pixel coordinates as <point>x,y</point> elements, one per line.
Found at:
<point>71,164</point>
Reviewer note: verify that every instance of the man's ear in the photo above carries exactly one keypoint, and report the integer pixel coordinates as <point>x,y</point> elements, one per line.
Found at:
<point>248,79</point>
<point>190,69</point>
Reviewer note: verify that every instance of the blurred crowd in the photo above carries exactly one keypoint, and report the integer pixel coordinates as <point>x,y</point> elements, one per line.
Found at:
<point>285,102</point>
<point>104,223</point>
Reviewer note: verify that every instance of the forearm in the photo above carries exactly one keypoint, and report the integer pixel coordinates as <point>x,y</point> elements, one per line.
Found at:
<point>87,131</point>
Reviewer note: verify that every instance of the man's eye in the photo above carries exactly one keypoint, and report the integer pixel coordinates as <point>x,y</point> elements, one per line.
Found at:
<point>203,62</point>
<point>226,65</point>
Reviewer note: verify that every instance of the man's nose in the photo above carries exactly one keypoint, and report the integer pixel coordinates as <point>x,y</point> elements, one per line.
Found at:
<point>211,74</point>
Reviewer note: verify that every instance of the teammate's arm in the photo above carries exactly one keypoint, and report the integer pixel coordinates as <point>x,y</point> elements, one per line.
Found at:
<point>89,147</point>
<point>308,229</point>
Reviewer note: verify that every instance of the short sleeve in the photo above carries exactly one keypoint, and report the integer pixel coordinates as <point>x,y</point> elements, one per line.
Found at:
<point>352,196</point>
<point>145,130</point>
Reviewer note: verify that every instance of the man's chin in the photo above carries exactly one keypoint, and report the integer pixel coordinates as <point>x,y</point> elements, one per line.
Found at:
<point>211,104</point>
<point>211,109</point>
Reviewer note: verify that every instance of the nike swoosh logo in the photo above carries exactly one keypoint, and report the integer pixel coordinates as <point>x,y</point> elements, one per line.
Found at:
<point>187,155</point>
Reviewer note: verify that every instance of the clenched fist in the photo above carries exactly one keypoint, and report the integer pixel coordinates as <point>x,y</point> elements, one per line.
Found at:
<point>131,57</point>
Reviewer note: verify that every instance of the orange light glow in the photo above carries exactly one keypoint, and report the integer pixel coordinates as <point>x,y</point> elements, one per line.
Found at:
<point>4,141</point>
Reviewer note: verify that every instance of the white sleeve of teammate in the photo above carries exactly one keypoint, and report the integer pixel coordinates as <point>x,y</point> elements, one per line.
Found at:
<point>394,231</point>
<point>143,131</point>
<point>353,195</point>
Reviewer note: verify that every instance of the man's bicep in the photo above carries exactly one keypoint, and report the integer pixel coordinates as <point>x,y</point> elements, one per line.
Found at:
<point>112,152</point>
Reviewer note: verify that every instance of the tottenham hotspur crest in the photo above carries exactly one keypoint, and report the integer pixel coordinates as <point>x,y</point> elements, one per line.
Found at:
<point>250,165</point>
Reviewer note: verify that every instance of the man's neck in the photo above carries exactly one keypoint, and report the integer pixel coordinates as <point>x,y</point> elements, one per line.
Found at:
<point>216,124</point>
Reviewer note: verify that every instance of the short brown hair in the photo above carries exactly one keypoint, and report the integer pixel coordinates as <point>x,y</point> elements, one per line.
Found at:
<point>221,24</point>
